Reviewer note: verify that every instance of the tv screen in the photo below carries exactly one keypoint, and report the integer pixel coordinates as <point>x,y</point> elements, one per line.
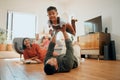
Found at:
<point>93,25</point>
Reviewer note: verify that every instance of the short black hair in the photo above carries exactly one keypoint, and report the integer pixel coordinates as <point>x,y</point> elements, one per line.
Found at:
<point>51,8</point>
<point>49,69</point>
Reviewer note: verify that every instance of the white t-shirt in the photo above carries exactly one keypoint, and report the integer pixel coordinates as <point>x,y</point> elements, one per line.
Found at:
<point>62,22</point>
<point>59,34</point>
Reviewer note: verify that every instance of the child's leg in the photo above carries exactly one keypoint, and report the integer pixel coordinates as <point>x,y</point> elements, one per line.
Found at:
<point>76,52</point>
<point>70,29</point>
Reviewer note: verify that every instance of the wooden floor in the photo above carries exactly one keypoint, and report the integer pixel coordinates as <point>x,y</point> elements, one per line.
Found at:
<point>91,69</point>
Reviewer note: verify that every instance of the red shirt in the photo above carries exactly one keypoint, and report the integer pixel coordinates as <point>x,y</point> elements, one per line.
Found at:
<point>35,50</point>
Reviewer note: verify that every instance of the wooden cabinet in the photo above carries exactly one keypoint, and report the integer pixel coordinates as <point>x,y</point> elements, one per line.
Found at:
<point>93,43</point>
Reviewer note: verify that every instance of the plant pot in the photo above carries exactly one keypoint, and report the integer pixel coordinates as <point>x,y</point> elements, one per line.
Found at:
<point>2,47</point>
<point>9,47</point>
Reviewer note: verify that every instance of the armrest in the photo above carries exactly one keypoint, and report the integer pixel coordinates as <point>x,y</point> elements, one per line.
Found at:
<point>20,51</point>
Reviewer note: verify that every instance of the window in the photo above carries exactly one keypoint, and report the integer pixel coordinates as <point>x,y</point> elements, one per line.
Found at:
<point>21,25</point>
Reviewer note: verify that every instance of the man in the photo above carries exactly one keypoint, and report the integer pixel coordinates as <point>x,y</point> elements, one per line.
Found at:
<point>63,62</point>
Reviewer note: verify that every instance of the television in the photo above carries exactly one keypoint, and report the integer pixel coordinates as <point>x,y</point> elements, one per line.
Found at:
<point>93,25</point>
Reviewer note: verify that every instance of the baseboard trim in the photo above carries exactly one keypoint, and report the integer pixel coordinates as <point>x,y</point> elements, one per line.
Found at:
<point>118,56</point>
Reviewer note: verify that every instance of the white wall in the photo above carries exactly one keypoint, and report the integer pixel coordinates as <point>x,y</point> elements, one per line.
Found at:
<point>108,9</point>
<point>80,9</point>
<point>37,7</point>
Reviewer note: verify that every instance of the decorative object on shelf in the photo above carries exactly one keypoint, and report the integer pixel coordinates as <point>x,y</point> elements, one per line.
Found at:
<point>106,30</point>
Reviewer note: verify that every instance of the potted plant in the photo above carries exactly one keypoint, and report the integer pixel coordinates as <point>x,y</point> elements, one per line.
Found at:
<point>2,40</point>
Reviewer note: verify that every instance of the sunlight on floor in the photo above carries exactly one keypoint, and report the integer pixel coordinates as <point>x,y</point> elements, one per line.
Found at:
<point>8,54</point>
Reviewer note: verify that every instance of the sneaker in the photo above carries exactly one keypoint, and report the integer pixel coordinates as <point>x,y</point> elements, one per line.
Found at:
<point>82,60</point>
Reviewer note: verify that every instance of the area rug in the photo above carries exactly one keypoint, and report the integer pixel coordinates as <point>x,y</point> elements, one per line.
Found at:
<point>8,54</point>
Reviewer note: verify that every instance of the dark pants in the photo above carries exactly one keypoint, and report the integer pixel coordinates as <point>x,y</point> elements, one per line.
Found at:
<point>69,48</point>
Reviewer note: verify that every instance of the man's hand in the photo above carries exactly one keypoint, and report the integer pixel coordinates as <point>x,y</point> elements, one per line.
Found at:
<point>64,32</point>
<point>63,29</point>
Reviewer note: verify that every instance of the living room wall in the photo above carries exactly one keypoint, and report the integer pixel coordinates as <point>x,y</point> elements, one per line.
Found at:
<point>79,9</point>
<point>108,9</point>
<point>36,7</point>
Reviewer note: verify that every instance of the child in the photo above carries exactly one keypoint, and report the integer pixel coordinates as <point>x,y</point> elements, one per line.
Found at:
<point>56,23</point>
<point>37,39</point>
<point>45,42</point>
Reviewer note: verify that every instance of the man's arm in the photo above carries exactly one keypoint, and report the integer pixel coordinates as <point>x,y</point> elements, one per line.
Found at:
<point>52,43</point>
<point>68,59</point>
<point>50,50</point>
<point>64,32</point>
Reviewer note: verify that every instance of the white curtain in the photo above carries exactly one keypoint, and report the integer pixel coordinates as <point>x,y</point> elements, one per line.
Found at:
<point>21,25</point>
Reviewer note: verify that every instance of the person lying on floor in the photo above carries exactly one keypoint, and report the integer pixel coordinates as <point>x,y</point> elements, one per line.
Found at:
<point>63,62</point>
<point>33,53</point>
